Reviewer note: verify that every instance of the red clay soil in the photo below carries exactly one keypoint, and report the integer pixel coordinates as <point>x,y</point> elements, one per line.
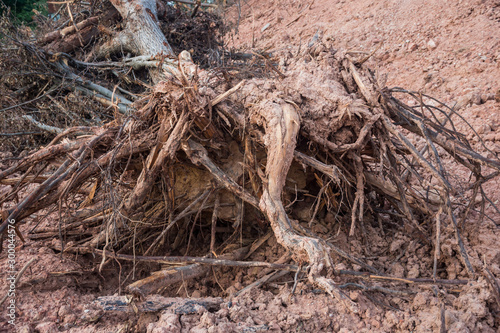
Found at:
<point>447,49</point>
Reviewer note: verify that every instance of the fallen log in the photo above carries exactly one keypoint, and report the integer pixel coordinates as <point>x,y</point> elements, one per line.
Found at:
<point>157,303</point>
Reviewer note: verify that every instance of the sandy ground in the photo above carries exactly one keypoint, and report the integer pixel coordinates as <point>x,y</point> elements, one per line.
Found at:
<point>448,49</point>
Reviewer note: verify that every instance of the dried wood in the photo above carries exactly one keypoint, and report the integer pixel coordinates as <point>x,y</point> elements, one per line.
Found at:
<point>68,30</point>
<point>166,277</point>
<point>157,303</point>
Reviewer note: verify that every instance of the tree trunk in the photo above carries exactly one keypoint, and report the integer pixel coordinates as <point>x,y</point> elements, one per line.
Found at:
<point>142,33</point>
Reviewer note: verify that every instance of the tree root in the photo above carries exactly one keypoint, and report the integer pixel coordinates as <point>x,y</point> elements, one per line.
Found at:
<point>178,157</point>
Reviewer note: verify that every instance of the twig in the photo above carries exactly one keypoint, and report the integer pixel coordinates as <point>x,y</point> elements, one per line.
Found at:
<point>463,251</point>
<point>80,39</point>
<point>196,7</point>
<point>267,278</point>
<point>20,133</point>
<point>32,100</point>
<point>226,94</point>
<point>492,282</point>
<point>295,280</point>
<point>375,288</point>
<point>442,326</point>
<point>198,260</point>
<point>202,4</point>
<point>331,170</point>
<point>181,215</point>
<point>114,98</point>
<point>258,243</point>
<point>48,128</point>
<point>68,167</point>
<point>300,14</point>
<point>438,243</point>
<point>163,278</point>
<point>198,155</point>
<point>214,223</point>
<point>403,280</point>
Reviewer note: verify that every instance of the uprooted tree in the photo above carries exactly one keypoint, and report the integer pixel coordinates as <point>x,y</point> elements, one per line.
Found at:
<point>244,150</point>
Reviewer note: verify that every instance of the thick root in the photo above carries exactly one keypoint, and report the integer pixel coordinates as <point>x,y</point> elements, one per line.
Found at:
<point>282,124</point>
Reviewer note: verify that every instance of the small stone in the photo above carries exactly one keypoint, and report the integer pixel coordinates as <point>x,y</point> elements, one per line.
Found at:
<point>487,97</point>
<point>168,322</point>
<point>222,313</point>
<point>397,244</point>
<point>70,318</point>
<point>431,44</point>
<point>330,218</point>
<point>207,319</point>
<point>340,266</point>
<point>354,295</point>
<point>490,137</point>
<point>63,311</point>
<point>414,271</point>
<point>484,128</point>
<point>46,327</point>
<point>196,294</point>
<point>420,300</point>
<point>398,270</point>
<point>476,98</point>
<point>24,329</point>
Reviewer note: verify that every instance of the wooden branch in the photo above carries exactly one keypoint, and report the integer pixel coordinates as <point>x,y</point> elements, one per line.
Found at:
<point>163,278</point>
<point>331,170</point>
<point>403,280</point>
<point>113,96</point>
<point>226,94</point>
<point>203,4</point>
<point>20,133</point>
<point>67,168</point>
<point>28,179</point>
<point>168,144</point>
<point>157,303</point>
<point>198,260</point>
<point>51,36</point>
<point>368,92</point>
<point>187,211</point>
<point>74,41</point>
<point>160,279</point>
<point>48,128</point>
<point>198,155</point>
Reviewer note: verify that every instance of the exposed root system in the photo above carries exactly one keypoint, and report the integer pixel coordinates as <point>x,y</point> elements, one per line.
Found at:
<point>195,167</point>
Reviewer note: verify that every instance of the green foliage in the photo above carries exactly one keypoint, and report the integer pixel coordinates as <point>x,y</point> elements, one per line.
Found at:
<point>23,9</point>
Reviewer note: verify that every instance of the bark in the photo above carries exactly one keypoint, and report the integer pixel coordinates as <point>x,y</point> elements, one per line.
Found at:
<point>142,28</point>
<point>58,34</point>
<point>282,124</point>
